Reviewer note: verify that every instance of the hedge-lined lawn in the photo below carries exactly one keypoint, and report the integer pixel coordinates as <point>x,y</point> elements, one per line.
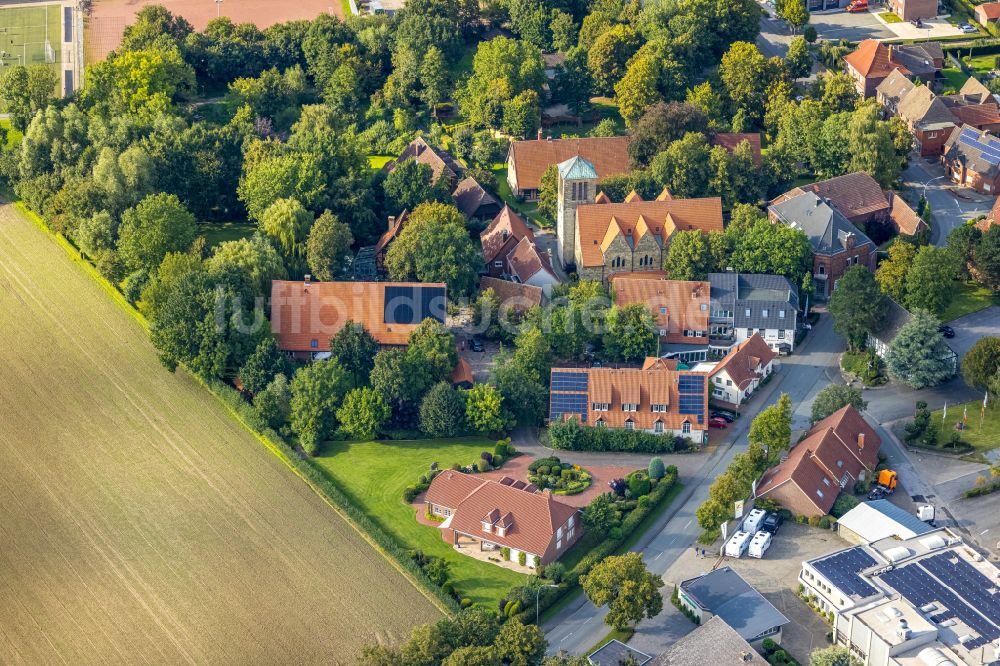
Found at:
<point>374,475</point>
<point>217,232</point>
<point>969,297</point>
<point>954,78</point>
<point>981,438</point>
<point>379,161</point>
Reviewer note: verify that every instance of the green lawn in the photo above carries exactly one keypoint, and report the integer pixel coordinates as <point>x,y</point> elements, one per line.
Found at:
<point>954,78</point>
<point>217,232</point>
<point>526,209</point>
<point>969,297</point>
<point>889,17</point>
<point>379,161</point>
<point>982,438</point>
<point>374,475</point>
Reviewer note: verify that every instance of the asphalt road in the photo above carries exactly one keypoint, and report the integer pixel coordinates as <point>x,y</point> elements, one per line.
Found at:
<point>813,366</point>
<point>949,211</point>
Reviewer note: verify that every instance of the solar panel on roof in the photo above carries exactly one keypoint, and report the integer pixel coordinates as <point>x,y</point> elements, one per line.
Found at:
<point>569,381</point>
<point>568,403</point>
<point>842,570</point>
<point>691,395</point>
<point>990,150</point>
<point>411,304</point>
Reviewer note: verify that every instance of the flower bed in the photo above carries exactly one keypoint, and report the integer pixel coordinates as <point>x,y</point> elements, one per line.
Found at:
<point>562,478</point>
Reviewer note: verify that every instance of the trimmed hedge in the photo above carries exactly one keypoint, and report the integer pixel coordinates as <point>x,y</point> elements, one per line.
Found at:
<point>607,546</point>
<point>244,414</point>
<point>571,436</point>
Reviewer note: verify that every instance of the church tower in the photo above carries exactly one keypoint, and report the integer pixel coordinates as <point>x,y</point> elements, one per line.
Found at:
<point>577,185</point>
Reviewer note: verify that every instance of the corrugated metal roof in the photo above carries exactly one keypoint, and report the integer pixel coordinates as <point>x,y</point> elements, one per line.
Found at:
<point>881,519</point>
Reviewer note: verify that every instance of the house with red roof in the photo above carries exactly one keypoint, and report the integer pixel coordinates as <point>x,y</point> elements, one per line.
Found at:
<point>735,378</point>
<point>836,452</point>
<point>872,62</point>
<point>510,252</point>
<point>490,515</point>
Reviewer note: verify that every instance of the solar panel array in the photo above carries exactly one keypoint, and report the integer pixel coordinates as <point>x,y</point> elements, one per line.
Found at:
<point>568,395</point>
<point>842,569</point>
<point>990,150</point>
<point>691,395</point>
<point>412,304</point>
<point>956,585</point>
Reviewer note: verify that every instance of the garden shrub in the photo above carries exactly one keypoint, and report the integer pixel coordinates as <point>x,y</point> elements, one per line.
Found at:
<point>638,483</point>
<point>505,554</point>
<point>825,522</point>
<point>522,558</point>
<point>814,521</point>
<point>571,436</point>
<point>497,461</point>
<point>656,469</point>
<point>465,602</point>
<point>410,494</point>
<point>844,503</point>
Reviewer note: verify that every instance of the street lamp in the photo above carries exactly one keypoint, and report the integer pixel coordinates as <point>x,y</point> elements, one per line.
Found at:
<point>537,592</point>
<point>218,8</point>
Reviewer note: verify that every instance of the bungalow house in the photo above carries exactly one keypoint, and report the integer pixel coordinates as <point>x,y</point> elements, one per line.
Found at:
<point>528,160</point>
<point>895,318</point>
<point>679,308</point>
<point>837,244</point>
<point>932,118</point>
<point>306,314</point>
<point>744,304</point>
<point>835,453</point>
<point>441,163</point>
<point>602,238</point>
<point>873,61</point>
<point>723,593</point>
<point>475,202</point>
<point>735,378</point>
<point>972,158</point>
<point>987,13</point>
<point>657,398</point>
<point>510,252</point>
<point>491,515</point>
<point>730,140</point>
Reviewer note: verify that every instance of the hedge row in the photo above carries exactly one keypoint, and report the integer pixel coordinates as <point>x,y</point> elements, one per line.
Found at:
<point>606,547</point>
<point>244,414</point>
<point>571,436</point>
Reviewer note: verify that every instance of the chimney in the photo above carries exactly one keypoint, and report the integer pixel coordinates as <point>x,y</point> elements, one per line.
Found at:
<point>861,440</point>
<point>392,221</point>
<point>539,133</point>
<point>306,279</point>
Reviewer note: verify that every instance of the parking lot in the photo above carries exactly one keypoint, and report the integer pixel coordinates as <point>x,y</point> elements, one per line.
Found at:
<point>775,576</point>
<point>852,27</point>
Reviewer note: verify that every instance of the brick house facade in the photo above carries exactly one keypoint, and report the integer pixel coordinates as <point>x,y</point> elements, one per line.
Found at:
<point>968,163</point>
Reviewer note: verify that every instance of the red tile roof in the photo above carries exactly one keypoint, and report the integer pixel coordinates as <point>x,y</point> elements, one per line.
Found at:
<point>598,223</point>
<point>872,60</point>
<point>470,196</point>
<point>854,432</point>
<point>609,155</point>
<point>729,141</point>
<point>989,10</point>
<point>395,228</point>
<point>531,518</point>
<point>993,217</point>
<point>852,194</point>
<point>977,115</point>
<point>526,260</point>
<point>677,305</point>
<point>515,295</point>
<point>502,234</point>
<point>745,361</point>
<point>304,312</point>
<point>903,217</point>
<point>462,373</point>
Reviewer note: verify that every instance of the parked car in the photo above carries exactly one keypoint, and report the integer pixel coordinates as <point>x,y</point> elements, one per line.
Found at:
<point>725,414</point>
<point>857,6</point>
<point>772,522</point>
<point>476,345</point>
<point>717,422</point>
<point>877,493</point>
<point>967,27</point>
<point>946,331</point>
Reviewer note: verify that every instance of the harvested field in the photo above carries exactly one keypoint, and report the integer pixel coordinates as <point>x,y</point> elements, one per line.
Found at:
<point>139,523</point>
<point>109,18</point>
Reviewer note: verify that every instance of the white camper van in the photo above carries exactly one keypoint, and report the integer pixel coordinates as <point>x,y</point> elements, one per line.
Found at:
<point>759,544</point>
<point>737,545</point>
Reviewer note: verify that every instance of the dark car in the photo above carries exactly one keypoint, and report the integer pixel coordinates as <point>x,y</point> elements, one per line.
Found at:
<point>772,521</point>
<point>476,345</point>
<point>877,493</point>
<point>946,331</point>
<point>724,414</point>
<point>717,422</point>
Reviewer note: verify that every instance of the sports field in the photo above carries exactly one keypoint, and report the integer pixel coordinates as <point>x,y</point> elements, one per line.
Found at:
<point>138,522</point>
<point>31,35</point>
<point>108,18</point>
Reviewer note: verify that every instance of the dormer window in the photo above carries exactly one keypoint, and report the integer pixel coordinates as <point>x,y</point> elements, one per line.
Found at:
<point>658,408</point>
<point>487,527</point>
<point>630,407</point>
<point>781,314</point>
<point>765,312</point>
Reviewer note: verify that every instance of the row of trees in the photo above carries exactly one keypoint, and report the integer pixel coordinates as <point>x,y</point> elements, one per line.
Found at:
<point>361,392</point>
<point>770,434</point>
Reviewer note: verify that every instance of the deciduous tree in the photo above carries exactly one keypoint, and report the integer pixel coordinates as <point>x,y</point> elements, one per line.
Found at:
<point>286,224</point>
<point>857,306</point>
<point>363,413</point>
<point>631,332</point>
<point>981,365</point>
<point>689,256</point>
<point>262,366</point>
<point>317,391</point>
<point>157,225</point>
<point>892,272</point>
<point>434,246</point>
<point>354,348</point>
<point>929,280</point>
<point>630,591</point>
<point>834,397</point>
<point>772,427</point>
<point>484,410</point>
<point>328,247</point>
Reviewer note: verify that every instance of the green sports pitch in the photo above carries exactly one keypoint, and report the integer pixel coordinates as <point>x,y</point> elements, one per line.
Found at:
<point>30,34</point>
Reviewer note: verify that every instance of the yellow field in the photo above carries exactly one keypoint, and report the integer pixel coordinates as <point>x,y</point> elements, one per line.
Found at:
<point>138,522</point>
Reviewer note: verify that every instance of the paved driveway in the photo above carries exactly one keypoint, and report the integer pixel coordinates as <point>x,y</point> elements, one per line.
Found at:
<point>973,326</point>
<point>951,206</point>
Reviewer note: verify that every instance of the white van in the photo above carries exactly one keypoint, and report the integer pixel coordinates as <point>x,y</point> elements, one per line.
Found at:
<point>754,520</point>
<point>759,544</point>
<point>737,545</point>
